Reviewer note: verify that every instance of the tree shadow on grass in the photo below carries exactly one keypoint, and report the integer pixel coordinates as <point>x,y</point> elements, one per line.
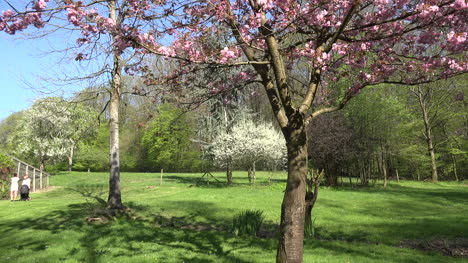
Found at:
<point>442,196</point>
<point>208,182</point>
<point>90,192</point>
<point>363,252</point>
<point>128,236</point>
<point>139,232</point>
<point>198,181</point>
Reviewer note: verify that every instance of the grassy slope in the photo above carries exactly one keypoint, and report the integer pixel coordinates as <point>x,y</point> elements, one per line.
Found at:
<point>354,225</point>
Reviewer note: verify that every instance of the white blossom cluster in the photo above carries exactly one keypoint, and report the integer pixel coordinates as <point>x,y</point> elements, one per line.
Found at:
<point>49,128</point>
<point>247,143</point>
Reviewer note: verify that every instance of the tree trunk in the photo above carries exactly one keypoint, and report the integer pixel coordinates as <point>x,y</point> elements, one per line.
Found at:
<point>433,160</point>
<point>370,170</point>
<point>41,165</point>
<point>350,179</point>
<point>375,169</point>
<point>384,171</point>
<point>428,132</point>
<point>115,199</point>
<point>290,247</point>
<point>330,175</point>
<point>254,175</point>
<point>70,164</point>
<point>313,183</point>
<point>454,163</point>
<point>70,158</point>
<point>229,173</point>
<point>308,210</point>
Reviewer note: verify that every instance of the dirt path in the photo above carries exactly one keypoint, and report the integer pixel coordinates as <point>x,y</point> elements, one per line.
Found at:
<point>46,189</point>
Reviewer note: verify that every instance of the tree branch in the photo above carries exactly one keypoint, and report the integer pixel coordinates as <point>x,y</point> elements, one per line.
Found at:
<point>345,22</point>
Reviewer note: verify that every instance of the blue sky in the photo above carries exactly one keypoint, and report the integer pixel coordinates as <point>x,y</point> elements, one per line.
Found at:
<point>23,63</point>
<point>18,64</point>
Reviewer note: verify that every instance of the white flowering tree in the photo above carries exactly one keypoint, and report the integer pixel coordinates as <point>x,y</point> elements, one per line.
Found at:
<point>51,128</point>
<point>247,143</point>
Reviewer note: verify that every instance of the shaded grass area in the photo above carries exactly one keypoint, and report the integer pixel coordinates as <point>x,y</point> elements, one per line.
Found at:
<point>404,211</point>
<point>188,220</point>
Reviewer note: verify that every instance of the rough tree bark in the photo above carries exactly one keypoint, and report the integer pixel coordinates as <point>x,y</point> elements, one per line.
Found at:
<point>114,200</point>
<point>290,248</point>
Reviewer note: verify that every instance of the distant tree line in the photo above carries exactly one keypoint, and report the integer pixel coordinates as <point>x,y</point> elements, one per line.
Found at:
<point>390,132</point>
<point>381,134</point>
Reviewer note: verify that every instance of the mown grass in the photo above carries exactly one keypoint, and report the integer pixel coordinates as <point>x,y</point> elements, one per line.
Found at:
<point>187,220</point>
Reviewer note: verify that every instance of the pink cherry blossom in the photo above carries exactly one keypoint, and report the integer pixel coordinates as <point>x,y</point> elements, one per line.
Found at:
<point>166,51</point>
<point>226,54</point>
<point>385,39</point>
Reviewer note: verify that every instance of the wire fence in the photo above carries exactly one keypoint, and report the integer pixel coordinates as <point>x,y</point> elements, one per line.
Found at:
<point>39,179</point>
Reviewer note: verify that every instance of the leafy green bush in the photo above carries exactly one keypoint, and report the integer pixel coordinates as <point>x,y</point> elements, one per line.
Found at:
<point>6,161</point>
<point>4,189</point>
<point>247,222</point>
<point>6,166</point>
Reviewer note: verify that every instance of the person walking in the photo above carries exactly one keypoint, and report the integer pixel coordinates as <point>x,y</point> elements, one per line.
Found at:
<point>25,186</point>
<point>14,187</point>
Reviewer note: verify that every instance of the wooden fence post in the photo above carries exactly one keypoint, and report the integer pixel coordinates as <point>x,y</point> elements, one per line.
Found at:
<point>34,180</point>
<point>40,179</point>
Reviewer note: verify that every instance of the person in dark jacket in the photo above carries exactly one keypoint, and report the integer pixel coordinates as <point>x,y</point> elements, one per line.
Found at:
<point>24,190</point>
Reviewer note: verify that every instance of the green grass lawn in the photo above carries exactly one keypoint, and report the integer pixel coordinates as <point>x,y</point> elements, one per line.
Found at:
<point>182,221</point>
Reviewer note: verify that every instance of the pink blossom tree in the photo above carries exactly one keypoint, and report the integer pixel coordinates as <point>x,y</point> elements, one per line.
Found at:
<point>352,43</point>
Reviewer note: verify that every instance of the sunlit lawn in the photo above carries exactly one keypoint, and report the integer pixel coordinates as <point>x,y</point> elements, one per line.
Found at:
<point>188,220</point>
